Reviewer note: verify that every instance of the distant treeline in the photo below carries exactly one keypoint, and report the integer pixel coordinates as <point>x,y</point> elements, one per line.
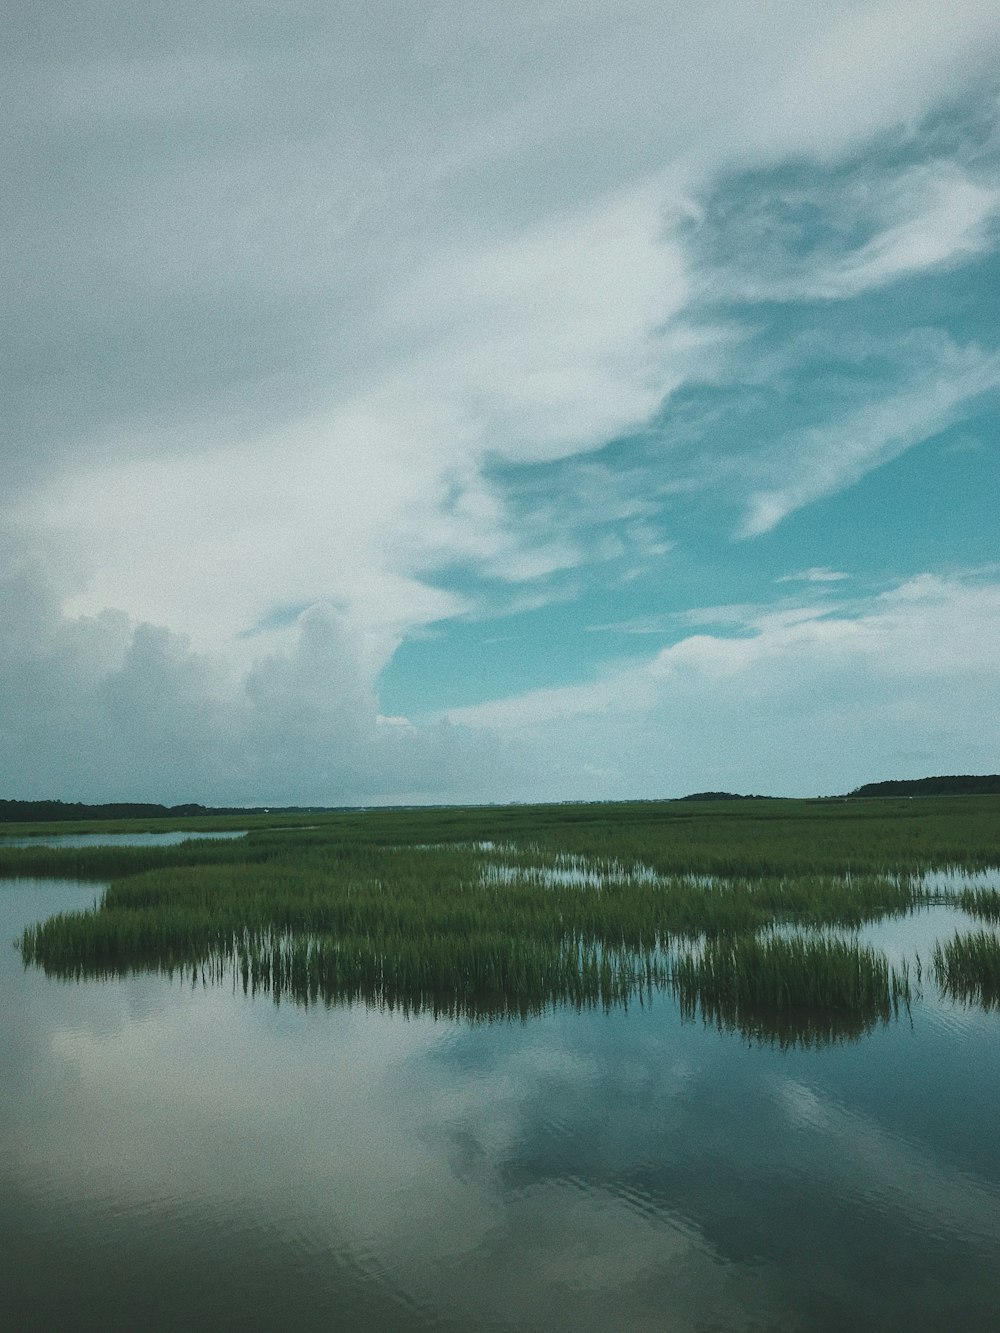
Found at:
<point>962,785</point>
<point>36,812</point>
<point>720,796</point>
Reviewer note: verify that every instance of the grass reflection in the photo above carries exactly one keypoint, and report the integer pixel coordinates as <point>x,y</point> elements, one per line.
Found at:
<point>968,968</point>
<point>790,990</point>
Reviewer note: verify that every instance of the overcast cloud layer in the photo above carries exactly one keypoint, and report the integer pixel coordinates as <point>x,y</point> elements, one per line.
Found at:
<point>453,402</point>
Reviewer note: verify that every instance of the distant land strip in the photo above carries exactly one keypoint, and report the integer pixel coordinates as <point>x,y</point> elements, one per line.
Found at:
<point>962,785</point>
<point>37,812</point>
<point>29,812</point>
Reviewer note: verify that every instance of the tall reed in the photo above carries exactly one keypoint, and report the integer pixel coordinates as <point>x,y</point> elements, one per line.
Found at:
<point>968,968</point>
<point>512,909</point>
<point>796,990</point>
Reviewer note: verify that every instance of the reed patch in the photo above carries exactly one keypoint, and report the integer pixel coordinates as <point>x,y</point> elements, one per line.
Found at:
<point>490,913</point>
<point>796,990</point>
<point>968,968</point>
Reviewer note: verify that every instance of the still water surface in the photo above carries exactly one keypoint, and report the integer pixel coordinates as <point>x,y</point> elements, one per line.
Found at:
<point>175,1157</point>
<point>114,839</point>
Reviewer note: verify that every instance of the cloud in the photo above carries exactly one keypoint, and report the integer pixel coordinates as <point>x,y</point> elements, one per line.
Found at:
<point>100,708</point>
<point>395,313</point>
<point>946,217</point>
<point>867,70</point>
<point>794,703</point>
<point>814,575</point>
<point>805,233</point>
<point>784,699</point>
<point>796,412</point>
<point>823,459</point>
<point>523,353</point>
<point>549,339</point>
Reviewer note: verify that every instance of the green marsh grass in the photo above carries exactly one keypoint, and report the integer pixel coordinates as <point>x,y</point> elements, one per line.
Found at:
<point>428,928</point>
<point>984,903</point>
<point>967,968</point>
<point>728,839</point>
<point>793,990</point>
<point>508,911</point>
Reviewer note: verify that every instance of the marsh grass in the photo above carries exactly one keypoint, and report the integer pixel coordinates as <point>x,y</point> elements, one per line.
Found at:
<point>984,903</point>
<point>967,968</point>
<point>510,911</point>
<point>793,990</point>
<point>770,838</point>
<point>429,928</point>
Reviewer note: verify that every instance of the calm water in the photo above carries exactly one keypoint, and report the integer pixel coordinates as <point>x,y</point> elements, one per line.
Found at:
<point>175,1157</point>
<point>114,839</point>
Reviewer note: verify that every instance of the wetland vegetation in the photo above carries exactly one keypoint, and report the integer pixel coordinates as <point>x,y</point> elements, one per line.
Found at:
<point>746,912</point>
<point>968,968</point>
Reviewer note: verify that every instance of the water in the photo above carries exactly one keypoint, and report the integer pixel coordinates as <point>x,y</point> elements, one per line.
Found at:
<point>579,871</point>
<point>114,839</point>
<point>586,873</point>
<point>175,1156</point>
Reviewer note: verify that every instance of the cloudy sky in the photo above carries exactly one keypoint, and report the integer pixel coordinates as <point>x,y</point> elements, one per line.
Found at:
<point>461,402</point>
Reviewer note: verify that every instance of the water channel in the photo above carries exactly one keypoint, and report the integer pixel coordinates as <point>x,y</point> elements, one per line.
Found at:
<point>176,1156</point>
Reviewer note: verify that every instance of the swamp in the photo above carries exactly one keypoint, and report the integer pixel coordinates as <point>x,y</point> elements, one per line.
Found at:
<point>685,1065</point>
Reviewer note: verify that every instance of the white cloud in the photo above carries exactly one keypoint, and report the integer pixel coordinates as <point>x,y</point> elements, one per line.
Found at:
<point>933,215</point>
<point>945,218</point>
<point>359,296</point>
<point>539,348</point>
<point>814,575</point>
<point>101,708</point>
<point>549,339</point>
<point>868,69</point>
<point>282,302</point>
<point>824,459</point>
<point>804,703</point>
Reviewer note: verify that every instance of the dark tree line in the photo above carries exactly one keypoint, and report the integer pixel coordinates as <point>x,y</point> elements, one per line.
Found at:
<point>962,785</point>
<point>36,812</point>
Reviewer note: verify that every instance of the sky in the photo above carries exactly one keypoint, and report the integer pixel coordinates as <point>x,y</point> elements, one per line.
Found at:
<point>457,402</point>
